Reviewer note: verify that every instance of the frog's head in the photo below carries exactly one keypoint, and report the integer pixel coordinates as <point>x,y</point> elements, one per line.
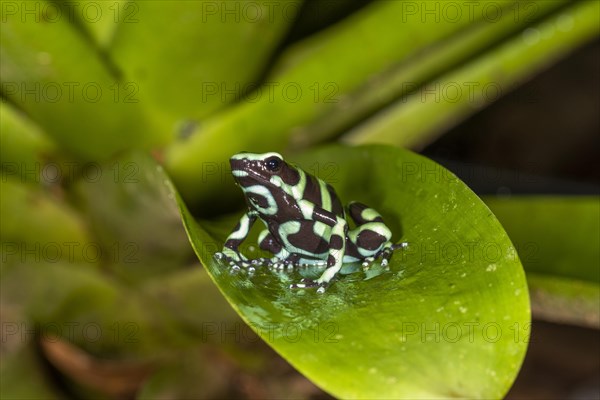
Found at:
<point>267,170</point>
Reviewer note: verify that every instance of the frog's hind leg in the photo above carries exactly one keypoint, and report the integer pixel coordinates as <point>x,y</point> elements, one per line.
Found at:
<point>337,247</point>
<point>362,214</point>
<point>371,237</point>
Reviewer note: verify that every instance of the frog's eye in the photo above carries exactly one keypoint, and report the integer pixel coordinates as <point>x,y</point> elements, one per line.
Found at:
<point>273,163</point>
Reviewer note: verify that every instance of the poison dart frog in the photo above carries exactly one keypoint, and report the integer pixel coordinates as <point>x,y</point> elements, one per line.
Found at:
<point>305,221</point>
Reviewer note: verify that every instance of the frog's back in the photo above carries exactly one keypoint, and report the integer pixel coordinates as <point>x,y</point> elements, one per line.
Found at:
<point>322,194</point>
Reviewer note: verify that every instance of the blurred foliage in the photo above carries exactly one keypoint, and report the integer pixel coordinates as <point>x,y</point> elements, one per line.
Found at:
<point>447,100</point>
<point>187,57</point>
<point>89,89</point>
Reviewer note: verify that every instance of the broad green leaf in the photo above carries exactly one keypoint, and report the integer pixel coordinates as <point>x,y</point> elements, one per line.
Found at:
<point>557,240</point>
<point>325,75</point>
<point>100,19</point>
<point>134,217</point>
<point>24,147</point>
<point>448,319</point>
<point>420,117</point>
<point>426,66</point>
<point>204,54</point>
<point>51,72</point>
<point>35,226</point>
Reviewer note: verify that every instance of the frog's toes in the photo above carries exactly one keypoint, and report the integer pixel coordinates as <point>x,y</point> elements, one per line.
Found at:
<point>367,262</point>
<point>261,261</point>
<point>278,265</point>
<point>309,283</point>
<point>402,245</point>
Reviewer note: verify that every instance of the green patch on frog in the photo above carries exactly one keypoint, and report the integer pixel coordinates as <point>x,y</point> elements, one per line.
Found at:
<point>449,318</point>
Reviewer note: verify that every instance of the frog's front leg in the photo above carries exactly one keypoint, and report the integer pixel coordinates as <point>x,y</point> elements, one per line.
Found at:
<point>230,252</point>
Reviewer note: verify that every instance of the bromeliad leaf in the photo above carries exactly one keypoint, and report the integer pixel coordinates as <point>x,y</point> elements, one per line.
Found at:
<point>449,318</point>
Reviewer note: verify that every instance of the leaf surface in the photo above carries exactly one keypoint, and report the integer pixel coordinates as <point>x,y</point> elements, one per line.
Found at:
<point>449,318</point>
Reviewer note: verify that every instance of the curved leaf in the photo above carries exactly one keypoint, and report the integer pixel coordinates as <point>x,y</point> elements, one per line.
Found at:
<point>24,145</point>
<point>134,217</point>
<point>449,318</point>
<point>50,71</point>
<point>24,238</point>
<point>210,53</point>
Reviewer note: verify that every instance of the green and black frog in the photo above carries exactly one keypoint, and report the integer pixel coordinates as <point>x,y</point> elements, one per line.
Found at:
<point>305,221</point>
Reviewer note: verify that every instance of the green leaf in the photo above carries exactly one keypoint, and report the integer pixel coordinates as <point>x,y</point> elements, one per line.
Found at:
<point>52,73</point>
<point>325,75</point>
<point>449,319</point>
<point>425,67</point>
<point>557,240</point>
<point>100,19</point>
<point>24,147</point>
<point>35,225</point>
<point>134,216</point>
<point>420,117</point>
<point>204,54</point>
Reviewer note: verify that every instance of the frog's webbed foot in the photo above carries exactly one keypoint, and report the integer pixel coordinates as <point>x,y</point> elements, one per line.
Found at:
<point>309,283</point>
<point>235,259</point>
<point>386,253</point>
<point>366,262</point>
<point>261,261</point>
<point>274,262</point>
